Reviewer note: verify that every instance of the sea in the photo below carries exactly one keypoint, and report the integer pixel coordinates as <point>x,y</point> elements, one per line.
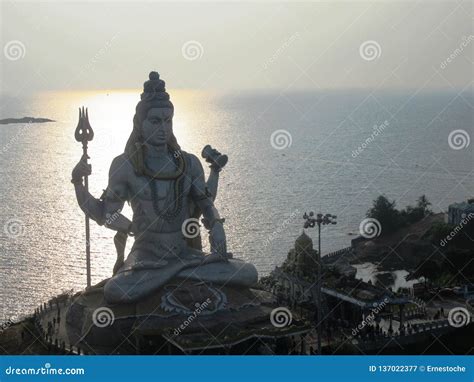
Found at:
<point>326,151</point>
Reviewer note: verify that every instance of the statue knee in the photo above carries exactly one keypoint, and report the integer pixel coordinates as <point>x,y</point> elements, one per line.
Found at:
<point>116,293</point>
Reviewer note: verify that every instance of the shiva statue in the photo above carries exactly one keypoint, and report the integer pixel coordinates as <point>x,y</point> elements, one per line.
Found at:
<point>166,189</point>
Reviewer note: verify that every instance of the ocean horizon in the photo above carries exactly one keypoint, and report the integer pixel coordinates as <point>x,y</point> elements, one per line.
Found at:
<point>289,153</point>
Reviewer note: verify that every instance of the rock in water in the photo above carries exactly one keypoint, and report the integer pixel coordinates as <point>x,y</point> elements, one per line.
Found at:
<point>25,120</point>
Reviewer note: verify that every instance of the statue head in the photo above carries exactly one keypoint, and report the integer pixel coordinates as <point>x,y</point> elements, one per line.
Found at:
<point>157,127</point>
<point>153,120</point>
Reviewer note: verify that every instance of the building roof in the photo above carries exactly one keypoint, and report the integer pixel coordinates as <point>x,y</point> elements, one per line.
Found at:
<point>463,206</point>
<point>303,242</point>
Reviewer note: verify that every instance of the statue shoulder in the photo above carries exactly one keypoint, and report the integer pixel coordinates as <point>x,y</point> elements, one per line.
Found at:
<point>121,165</point>
<point>193,162</point>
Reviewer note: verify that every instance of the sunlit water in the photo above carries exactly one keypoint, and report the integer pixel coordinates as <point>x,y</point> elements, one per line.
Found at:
<point>262,189</point>
<point>368,272</point>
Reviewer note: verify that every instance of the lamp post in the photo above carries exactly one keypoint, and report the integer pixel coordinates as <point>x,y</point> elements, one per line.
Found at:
<point>310,222</point>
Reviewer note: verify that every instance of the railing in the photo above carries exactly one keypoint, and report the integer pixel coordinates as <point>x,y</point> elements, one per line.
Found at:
<point>46,333</point>
<point>338,253</point>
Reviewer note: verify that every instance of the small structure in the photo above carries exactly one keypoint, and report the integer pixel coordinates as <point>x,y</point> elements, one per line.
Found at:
<point>345,298</point>
<point>459,212</point>
<point>302,259</point>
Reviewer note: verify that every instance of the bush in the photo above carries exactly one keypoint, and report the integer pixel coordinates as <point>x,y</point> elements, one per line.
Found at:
<point>439,231</point>
<point>391,219</point>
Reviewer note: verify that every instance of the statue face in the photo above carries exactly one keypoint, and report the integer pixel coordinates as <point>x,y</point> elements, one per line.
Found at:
<point>158,125</point>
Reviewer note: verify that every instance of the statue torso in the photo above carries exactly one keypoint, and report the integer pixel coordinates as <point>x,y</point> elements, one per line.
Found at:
<point>159,205</point>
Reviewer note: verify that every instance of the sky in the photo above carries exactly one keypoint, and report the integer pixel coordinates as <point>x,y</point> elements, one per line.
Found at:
<point>225,46</point>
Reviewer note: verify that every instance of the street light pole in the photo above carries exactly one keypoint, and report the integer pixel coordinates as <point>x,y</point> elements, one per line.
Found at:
<point>310,222</point>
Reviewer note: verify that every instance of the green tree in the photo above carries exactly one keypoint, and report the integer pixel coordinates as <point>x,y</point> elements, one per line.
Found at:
<point>385,212</point>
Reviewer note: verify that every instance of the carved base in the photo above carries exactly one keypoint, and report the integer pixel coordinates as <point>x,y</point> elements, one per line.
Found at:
<point>184,316</point>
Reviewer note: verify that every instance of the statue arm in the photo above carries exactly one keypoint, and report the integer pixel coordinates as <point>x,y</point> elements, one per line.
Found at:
<point>105,210</point>
<point>114,198</point>
<point>91,206</point>
<point>213,182</point>
<point>203,199</point>
<point>217,162</point>
<point>201,195</point>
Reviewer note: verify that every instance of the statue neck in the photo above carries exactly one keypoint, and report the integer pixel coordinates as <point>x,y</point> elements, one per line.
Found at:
<point>156,151</point>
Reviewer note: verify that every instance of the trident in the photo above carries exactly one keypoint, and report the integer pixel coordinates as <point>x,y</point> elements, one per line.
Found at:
<point>85,134</point>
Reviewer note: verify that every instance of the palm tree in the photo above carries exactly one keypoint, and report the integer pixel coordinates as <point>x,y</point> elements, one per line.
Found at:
<point>424,203</point>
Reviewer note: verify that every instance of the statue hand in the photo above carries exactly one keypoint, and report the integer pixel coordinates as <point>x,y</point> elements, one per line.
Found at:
<point>214,157</point>
<point>217,240</point>
<point>81,169</point>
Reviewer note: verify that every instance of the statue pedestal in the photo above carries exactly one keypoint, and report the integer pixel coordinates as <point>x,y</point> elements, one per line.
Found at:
<point>184,316</point>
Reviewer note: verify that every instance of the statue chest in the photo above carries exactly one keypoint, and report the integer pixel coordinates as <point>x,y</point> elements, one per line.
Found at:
<point>166,200</point>
<point>148,189</point>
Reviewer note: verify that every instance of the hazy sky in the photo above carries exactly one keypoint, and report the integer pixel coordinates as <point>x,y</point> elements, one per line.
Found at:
<point>91,45</point>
